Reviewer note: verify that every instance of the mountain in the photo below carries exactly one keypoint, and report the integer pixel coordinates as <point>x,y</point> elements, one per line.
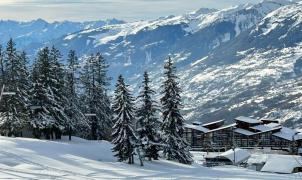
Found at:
<point>133,47</point>
<point>36,32</point>
<point>230,59</point>
<point>243,60</point>
<point>258,73</point>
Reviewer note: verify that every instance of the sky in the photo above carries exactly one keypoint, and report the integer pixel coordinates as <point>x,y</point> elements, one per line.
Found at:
<point>85,10</point>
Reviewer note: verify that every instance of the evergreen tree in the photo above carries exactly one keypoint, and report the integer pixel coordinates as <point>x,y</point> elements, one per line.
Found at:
<point>147,122</point>
<point>16,81</point>
<point>57,86</point>
<point>124,139</point>
<point>175,147</point>
<point>95,80</point>
<point>78,121</point>
<point>41,96</point>
<point>1,67</point>
<point>47,97</point>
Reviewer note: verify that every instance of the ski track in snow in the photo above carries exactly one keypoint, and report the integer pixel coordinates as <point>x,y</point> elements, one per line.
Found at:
<point>31,159</point>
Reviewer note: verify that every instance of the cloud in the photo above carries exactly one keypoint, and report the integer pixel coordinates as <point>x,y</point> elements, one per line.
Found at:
<point>79,10</point>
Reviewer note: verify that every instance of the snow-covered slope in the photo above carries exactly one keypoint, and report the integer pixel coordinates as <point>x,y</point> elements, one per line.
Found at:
<point>131,46</point>
<point>258,73</point>
<point>80,159</point>
<point>244,60</point>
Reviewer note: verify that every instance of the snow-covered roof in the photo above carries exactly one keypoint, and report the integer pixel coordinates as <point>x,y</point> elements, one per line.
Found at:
<point>257,159</point>
<point>266,127</point>
<point>286,133</point>
<point>247,120</point>
<point>240,155</point>
<point>282,163</point>
<point>214,122</point>
<point>244,132</point>
<point>198,128</point>
<point>223,127</point>
<point>298,136</point>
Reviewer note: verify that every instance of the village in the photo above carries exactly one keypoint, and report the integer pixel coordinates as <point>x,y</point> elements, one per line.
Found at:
<point>255,144</point>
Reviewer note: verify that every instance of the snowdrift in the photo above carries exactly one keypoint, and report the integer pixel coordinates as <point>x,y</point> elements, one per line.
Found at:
<point>22,158</point>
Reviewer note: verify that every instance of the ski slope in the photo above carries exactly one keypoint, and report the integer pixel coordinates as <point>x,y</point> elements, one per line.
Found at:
<point>22,158</point>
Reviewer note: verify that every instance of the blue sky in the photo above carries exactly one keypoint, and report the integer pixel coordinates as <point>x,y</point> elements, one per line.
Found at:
<point>80,10</point>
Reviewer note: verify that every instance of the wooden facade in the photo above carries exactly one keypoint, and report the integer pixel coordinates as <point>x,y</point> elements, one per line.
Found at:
<point>245,133</point>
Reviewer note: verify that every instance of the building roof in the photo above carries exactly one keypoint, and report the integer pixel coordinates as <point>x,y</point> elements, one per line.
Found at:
<point>266,127</point>
<point>287,163</point>
<point>240,155</point>
<point>269,120</point>
<point>196,123</point>
<point>223,127</point>
<point>247,120</point>
<point>298,136</point>
<point>244,132</point>
<point>195,127</point>
<point>214,122</point>
<point>286,133</point>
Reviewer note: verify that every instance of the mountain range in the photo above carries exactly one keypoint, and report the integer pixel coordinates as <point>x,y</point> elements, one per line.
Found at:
<point>243,60</point>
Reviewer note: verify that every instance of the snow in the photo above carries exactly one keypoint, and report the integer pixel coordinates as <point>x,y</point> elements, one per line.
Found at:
<point>247,119</point>
<point>240,155</point>
<point>286,133</point>
<point>198,128</point>
<point>243,131</point>
<point>214,122</point>
<point>266,127</point>
<point>282,163</point>
<point>223,127</point>
<point>277,19</point>
<point>22,158</point>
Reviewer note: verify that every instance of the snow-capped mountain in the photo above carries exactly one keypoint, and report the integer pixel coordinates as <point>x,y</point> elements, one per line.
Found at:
<point>130,46</point>
<point>213,50</point>
<point>257,73</point>
<point>244,60</point>
<point>33,33</point>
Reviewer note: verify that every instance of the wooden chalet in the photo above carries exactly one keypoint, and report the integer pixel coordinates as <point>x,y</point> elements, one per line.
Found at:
<point>246,132</point>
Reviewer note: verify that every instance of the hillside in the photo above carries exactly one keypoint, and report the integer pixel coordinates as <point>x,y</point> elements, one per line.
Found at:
<point>243,60</point>
<point>22,158</point>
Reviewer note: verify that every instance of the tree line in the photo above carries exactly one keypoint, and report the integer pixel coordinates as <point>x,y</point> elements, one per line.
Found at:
<point>51,98</point>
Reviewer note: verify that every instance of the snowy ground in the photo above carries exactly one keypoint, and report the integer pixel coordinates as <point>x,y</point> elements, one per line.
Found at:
<point>22,158</point>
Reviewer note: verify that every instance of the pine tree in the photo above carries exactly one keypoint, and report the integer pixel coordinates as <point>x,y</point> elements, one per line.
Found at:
<point>47,98</point>
<point>102,82</point>
<point>97,103</point>
<point>16,80</point>
<point>124,139</point>
<point>1,67</point>
<point>147,121</point>
<point>41,96</point>
<point>175,147</point>
<point>78,121</point>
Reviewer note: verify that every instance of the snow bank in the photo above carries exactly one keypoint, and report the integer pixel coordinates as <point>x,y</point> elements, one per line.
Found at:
<point>282,163</point>
<point>22,158</point>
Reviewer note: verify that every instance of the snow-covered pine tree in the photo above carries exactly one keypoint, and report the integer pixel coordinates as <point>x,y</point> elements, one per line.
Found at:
<point>102,82</point>
<point>95,98</point>
<point>147,125</point>
<point>16,80</point>
<point>78,121</point>
<point>57,87</point>
<point>175,146</point>
<point>124,138</point>
<point>2,78</point>
<point>1,66</point>
<point>47,97</point>
<point>41,97</point>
